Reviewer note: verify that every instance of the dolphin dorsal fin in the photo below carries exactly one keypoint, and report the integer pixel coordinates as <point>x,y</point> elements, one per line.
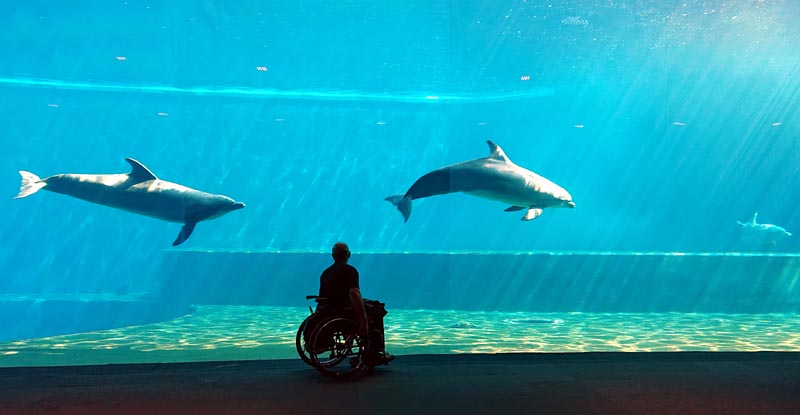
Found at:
<point>497,153</point>
<point>139,173</point>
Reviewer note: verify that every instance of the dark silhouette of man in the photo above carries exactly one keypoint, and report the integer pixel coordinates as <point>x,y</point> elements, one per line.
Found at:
<point>338,286</point>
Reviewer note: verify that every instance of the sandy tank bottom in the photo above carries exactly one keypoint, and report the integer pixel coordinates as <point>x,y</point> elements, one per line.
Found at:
<point>265,332</point>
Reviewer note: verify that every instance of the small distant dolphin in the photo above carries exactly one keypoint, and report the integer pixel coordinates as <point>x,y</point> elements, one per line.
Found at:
<point>762,233</point>
<point>139,191</point>
<point>494,177</point>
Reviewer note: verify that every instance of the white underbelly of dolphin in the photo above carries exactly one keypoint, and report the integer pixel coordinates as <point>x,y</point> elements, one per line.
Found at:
<point>512,199</point>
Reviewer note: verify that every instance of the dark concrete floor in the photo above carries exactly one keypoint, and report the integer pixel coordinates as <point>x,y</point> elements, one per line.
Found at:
<point>586,383</point>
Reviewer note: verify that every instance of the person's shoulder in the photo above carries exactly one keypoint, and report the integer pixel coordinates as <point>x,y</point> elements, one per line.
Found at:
<point>353,272</point>
<point>328,270</point>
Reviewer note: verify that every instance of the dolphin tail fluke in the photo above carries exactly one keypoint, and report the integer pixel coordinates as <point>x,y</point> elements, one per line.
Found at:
<point>403,204</point>
<point>31,184</point>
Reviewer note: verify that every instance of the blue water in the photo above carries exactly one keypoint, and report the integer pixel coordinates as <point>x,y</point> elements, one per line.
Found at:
<point>667,122</point>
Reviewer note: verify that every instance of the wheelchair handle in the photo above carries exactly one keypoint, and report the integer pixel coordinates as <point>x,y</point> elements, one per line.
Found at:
<point>315,297</point>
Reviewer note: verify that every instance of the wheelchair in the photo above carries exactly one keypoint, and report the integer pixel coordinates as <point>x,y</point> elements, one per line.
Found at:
<point>333,345</point>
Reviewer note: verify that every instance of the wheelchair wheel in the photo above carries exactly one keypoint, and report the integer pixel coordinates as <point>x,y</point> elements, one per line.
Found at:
<point>337,350</point>
<point>300,343</point>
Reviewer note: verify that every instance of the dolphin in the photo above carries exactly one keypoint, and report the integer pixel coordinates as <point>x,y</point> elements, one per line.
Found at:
<point>762,233</point>
<point>494,177</point>
<point>139,191</point>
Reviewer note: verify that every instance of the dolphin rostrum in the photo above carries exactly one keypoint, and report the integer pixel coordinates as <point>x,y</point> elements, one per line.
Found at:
<point>494,177</point>
<point>139,191</point>
<point>762,233</point>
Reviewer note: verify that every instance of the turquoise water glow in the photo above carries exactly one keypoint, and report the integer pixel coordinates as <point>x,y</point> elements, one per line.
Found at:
<point>357,96</point>
<point>668,123</point>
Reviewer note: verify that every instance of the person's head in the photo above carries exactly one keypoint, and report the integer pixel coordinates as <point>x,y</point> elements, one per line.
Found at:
<point>340,252</point>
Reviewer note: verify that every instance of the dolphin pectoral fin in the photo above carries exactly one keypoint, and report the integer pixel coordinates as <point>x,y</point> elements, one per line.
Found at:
<point>139,173</point>
<point>532,214</point>
<point>186,232</point>
<point>514,209</point>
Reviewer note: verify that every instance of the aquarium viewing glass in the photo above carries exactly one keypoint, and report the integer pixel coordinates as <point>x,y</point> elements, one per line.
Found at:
<point>673,126</point>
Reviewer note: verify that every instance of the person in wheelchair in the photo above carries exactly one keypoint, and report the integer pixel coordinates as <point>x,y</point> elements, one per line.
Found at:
<point>339,293</point>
